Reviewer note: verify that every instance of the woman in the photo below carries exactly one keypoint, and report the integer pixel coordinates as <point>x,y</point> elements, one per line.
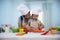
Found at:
<point>23,20</point>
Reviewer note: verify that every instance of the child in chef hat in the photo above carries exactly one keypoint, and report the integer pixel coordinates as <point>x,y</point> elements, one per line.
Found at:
<point>34,22</point>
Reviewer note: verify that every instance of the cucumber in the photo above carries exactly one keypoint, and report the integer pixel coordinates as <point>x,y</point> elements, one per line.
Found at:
<point>58,29</point>
<point>15,30</point>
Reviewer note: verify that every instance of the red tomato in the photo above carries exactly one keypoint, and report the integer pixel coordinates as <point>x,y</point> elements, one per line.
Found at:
<point>26,31</point>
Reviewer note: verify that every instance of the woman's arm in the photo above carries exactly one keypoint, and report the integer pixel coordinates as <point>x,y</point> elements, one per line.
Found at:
<point>20,21</point>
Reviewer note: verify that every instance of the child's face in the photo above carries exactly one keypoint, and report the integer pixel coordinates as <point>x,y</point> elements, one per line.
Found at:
<point>34,16</point>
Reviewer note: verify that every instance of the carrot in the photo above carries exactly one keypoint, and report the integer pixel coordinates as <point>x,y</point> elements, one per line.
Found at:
<point>18,34</point>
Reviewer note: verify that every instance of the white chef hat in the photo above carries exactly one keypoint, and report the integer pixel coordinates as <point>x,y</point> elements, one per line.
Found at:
<point>36,11</point>
<point>23,9</point>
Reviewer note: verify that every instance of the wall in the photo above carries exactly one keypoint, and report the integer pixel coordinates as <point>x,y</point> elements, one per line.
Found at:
<point>9,13</point>
<point>56,13</point>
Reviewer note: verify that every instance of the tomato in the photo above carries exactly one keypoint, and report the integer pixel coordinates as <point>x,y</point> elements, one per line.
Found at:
<point>26,31</point>
<point>52,28</point>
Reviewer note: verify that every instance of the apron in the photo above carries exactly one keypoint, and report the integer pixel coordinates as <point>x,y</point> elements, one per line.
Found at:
<point>34,24</point>
<point>24,23</point>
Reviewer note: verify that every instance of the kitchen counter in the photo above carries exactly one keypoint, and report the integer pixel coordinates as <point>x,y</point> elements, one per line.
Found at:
<point>29,36</point>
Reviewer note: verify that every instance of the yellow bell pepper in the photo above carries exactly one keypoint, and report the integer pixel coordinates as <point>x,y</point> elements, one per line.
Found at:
<point>21,30</point>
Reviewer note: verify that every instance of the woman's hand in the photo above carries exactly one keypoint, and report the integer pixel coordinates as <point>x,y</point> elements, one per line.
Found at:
<point>27,27</point>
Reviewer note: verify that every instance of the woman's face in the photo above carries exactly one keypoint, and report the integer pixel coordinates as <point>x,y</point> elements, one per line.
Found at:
<point>28,15</point>
<point>34,16</point>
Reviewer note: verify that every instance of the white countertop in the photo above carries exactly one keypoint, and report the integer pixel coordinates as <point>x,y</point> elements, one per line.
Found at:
<point>29,35</point>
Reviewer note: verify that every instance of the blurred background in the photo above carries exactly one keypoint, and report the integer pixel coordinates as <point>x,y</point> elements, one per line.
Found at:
<point>50,14</point>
